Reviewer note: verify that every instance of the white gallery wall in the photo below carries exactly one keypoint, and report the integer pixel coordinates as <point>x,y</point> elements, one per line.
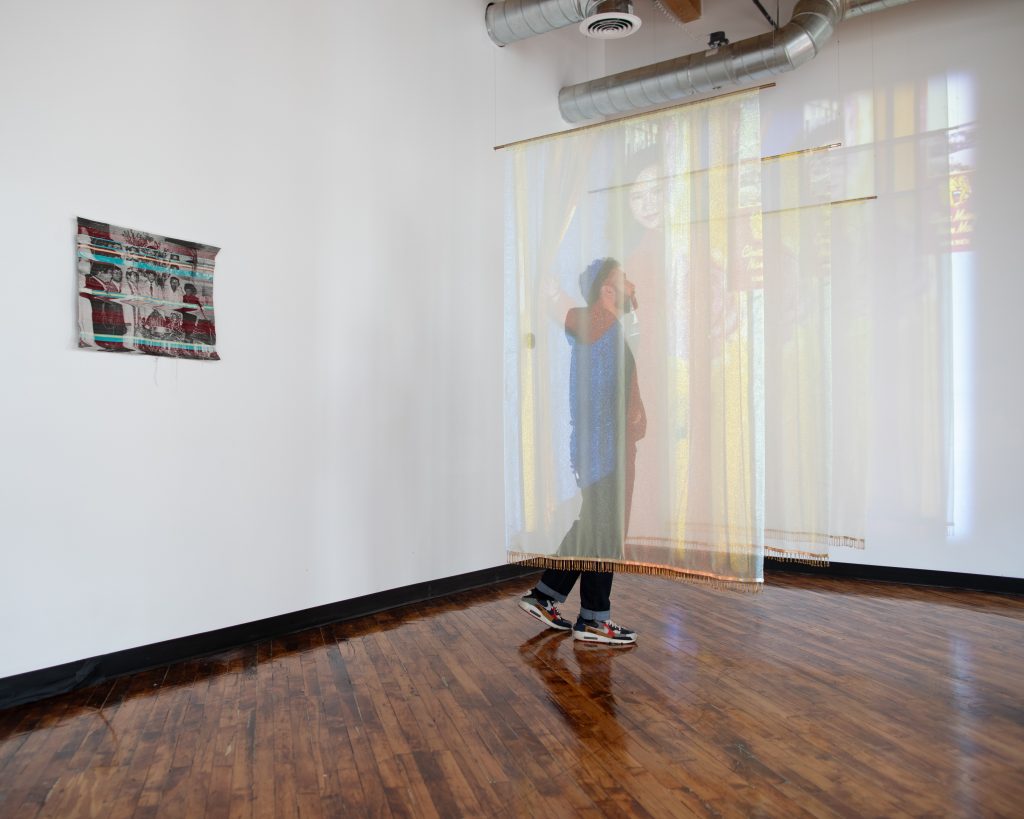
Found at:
<point>350,439</point>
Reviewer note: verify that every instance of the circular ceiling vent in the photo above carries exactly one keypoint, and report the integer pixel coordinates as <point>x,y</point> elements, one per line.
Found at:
<point>610,26</point>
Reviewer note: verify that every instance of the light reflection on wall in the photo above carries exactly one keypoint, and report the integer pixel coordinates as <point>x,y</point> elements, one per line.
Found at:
<point>961,112</point>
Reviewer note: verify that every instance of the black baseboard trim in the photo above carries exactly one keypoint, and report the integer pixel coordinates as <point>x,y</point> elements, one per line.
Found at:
<point>47,682</point>
<point>59,679</point>
<point>911,577</point>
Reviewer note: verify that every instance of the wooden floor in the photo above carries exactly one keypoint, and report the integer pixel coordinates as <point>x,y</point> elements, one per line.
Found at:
<point>816,698</point>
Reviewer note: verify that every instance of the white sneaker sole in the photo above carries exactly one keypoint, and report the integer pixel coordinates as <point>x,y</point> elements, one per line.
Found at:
<point>597,639</point>
<point>532,611</point>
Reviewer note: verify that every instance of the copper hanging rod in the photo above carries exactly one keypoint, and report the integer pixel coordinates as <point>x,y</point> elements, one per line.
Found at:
<point>762,159</point>
<point>821,205</point>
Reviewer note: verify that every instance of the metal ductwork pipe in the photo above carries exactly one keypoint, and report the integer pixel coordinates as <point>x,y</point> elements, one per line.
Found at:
<point>745,62</point>
<point>511,20</point>
<point>856,8</point>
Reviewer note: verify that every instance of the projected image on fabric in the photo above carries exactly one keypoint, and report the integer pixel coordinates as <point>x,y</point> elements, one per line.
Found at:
<point>143,293</point>
<point>903,329</point>
<point>634,346</point>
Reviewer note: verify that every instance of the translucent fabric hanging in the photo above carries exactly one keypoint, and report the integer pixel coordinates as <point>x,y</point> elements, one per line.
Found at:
<point>798,358</point>
<point>634,346</point>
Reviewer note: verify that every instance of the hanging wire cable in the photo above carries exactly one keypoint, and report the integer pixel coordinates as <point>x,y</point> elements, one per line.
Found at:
<point>764,11</point>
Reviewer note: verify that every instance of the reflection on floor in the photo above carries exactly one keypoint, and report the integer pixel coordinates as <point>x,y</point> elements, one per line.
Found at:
<point>817,697</point>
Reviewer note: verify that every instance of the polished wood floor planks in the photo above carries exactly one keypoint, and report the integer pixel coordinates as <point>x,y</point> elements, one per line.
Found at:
<point>818,697</point>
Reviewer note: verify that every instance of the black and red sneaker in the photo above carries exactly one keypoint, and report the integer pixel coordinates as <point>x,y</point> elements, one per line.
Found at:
<point>543,609</point>
<point>602,631</point>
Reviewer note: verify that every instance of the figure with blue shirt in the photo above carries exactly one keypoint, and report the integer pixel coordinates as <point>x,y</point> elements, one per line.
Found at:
<point>607,418</point>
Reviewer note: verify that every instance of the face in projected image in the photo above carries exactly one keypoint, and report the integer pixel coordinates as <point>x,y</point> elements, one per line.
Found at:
<point>645,198</point>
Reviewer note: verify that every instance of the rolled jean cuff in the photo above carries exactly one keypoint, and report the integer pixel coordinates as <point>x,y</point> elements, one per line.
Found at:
<point>590,614</point>
<point>544,588</point>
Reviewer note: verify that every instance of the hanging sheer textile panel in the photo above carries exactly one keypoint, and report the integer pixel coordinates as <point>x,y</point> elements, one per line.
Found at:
<point>896,321</point>
<point>634,357</point>
<point>797,224</point>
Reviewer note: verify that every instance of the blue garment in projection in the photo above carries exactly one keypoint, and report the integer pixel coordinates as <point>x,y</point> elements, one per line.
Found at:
<point>601,373</point>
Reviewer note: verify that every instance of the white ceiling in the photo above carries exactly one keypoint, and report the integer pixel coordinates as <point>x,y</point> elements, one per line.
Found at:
<point>737,18</point>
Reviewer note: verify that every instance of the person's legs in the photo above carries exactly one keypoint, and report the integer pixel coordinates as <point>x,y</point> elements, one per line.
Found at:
<point>596,534</point>
<point>553,587</point>
<point>557,583</point>
<point>595,595</point>
<point>594,625</point>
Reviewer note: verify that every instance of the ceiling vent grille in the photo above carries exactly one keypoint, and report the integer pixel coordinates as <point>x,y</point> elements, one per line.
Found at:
<point>610,26</point>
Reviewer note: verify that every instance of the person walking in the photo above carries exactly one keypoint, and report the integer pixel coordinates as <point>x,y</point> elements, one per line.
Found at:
<point>607,419</point>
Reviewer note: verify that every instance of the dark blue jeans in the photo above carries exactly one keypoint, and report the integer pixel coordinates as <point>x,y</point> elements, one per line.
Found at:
<point>597,533</point>
<point>595,590</point>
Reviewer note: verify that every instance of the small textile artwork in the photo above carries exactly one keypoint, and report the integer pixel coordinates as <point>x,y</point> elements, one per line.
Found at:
<point>143,293</point>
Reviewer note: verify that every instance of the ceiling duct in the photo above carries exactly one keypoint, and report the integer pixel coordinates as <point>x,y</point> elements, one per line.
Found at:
<point>511,20</point>
<point>856,9</point>
<point>741,63</point>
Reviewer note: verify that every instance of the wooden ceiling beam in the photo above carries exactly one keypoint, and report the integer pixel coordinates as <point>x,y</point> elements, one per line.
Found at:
<point>685,11</point>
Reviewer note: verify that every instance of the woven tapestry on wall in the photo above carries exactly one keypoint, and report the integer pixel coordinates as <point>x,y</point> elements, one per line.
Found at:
<point>144,293</point>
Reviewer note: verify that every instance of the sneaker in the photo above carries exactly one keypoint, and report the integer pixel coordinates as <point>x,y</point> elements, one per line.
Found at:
<point>543,608</point>
<point>602,631</point>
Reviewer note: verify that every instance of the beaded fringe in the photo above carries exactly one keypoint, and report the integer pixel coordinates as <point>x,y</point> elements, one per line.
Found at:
<point>830,541</point>
<point>574,564</point>
<point>815,558</point>
<point>796,558</point>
